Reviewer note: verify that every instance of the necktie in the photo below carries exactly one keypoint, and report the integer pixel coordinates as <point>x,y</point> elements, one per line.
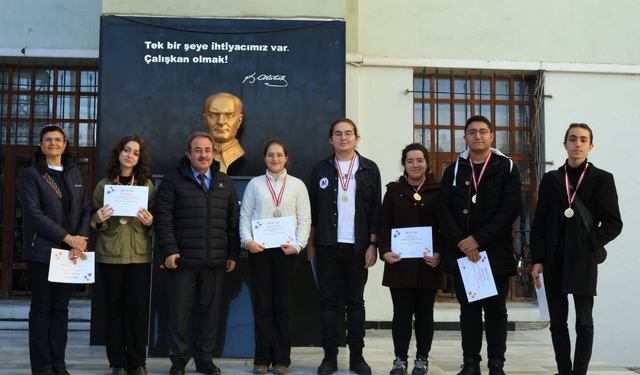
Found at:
<point>202,183</point>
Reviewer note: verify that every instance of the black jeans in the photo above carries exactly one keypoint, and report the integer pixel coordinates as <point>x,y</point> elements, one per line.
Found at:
<point>126,294</point>
<point>272,274</point>
<point>558,312</point>
<point>339,267</point>
<point>495,318</point>
<point>198,289</point>
<point>48,318</point>
<point>407,303</point>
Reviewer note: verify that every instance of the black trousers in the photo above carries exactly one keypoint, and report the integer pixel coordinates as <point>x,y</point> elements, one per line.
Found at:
<point>339,267</point>
<point>272,275</point>
<point>198,289</point>
<point>407,303</point>
<point>558,312</point>
<point>48,318</point>
<point>126,294</point>
<point>495,318</point>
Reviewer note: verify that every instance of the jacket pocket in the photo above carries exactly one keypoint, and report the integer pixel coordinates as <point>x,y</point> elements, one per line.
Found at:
<point>141,238</point>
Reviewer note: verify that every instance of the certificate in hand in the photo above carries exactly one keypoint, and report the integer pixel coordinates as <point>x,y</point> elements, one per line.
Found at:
<point>274,232</point>
<point>477,278</point>
<point>62,269</point>
<point>126,200</point>
<point>412,242</point>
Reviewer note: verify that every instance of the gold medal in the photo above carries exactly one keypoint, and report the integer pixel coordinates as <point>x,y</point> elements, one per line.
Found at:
<point>417,197</point>
<point>123,221</point>
<point>473,199</point>
<point>345,198</point>
<point>277,214</point>
<point>568,213</point>
<point>83,256</point>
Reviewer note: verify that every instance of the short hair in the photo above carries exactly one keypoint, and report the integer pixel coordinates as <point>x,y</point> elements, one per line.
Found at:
<point>579,125</point>
<point>348,121</point>
<point>53,128</point>
<point>477,118</point>
<point>141,170</point>
<point>198,135</point>
<point>416,147</point>
<point>238,105</point>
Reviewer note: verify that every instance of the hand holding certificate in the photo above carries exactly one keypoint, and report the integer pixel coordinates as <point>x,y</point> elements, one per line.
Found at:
<point>274,232</point>
<point>126,200</point>
<point>63,270</point>
<point>477,278</point>
<point>415,242</point>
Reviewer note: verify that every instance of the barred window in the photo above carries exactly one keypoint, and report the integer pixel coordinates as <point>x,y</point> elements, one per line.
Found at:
<point>443,102</point>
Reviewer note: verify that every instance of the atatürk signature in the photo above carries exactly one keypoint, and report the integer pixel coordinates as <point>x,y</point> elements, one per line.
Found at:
<point>271,80</point>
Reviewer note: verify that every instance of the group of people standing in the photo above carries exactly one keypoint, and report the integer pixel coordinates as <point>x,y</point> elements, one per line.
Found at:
<point>344,226</point>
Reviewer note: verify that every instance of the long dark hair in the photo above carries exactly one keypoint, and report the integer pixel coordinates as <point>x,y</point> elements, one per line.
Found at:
<point>140,170</point>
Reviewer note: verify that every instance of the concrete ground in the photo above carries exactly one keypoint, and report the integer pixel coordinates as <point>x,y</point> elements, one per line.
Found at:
<point>529,353</point>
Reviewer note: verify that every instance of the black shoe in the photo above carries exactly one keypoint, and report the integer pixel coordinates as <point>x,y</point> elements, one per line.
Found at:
<point>60,370</point>
<point>328,366</point>
<point>360,367</point>
<point>47,371</point>
<point>208,368</point>
<point>176,369</point>
<point>137,370</point>
<point>399,367</point>
<point>118,371</point>
<point>421,366</point>
<point>496,367</point>
<point>470,367</point>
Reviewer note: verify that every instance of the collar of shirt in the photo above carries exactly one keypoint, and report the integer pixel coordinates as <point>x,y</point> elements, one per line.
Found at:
<point>207,176</point>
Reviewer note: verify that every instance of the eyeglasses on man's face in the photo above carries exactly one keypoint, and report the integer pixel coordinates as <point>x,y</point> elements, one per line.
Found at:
<point>474,132</point>
<point>338,134</point>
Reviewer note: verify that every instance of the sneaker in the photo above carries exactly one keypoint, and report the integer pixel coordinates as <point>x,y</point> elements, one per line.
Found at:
<point>328,366</point>
<point>399,367</point>
<point>360,367</point>
<point>495,367</point>
<point>137,370</point>
<point>260,369</point>
<point>470,367</point>
<point>421,366</point>
<point>118,371</point>
<point>208,368</point>
<point>60,371</point>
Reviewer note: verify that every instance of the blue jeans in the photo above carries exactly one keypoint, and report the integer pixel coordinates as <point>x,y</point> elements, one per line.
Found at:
<point>48,318</point>
<point>340,268</point>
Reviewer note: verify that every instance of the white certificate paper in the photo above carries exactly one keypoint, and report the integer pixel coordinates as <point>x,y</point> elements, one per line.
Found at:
<point>477,278</point>
<point>542,300</point>
<point>412,242</point>
<point>274,232</point>
<point>62,269</point>
<point>126,200</point>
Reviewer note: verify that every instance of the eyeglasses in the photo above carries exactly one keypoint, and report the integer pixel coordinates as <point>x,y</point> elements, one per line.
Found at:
<point>474,132</point>
<point>135,137</point>
<point>348,134</point>
<point>50,140</point>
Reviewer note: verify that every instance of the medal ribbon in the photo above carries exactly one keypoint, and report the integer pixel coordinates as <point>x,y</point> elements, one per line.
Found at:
<point>570,197</point>
<point>132,180</point>
<point>473,172</point>
<point>273,192</point>
<point>344,185</point>
<point>419,186</point>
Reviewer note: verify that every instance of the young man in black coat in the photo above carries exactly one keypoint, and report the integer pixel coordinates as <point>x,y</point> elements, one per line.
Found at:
<point>571,227</point>
<point>478,202</point>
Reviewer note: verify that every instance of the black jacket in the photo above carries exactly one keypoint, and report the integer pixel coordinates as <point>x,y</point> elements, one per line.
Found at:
<point>598,193</point>
<point>202,228</point>
<point>324,207</point>
<point>490,220</point>
<point>44,222</point>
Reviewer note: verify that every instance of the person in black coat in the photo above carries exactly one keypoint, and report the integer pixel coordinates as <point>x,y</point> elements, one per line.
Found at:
<point>567,249</point>
<point>478,203</point>
<point>56,213</point>
<point>196,220</point>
